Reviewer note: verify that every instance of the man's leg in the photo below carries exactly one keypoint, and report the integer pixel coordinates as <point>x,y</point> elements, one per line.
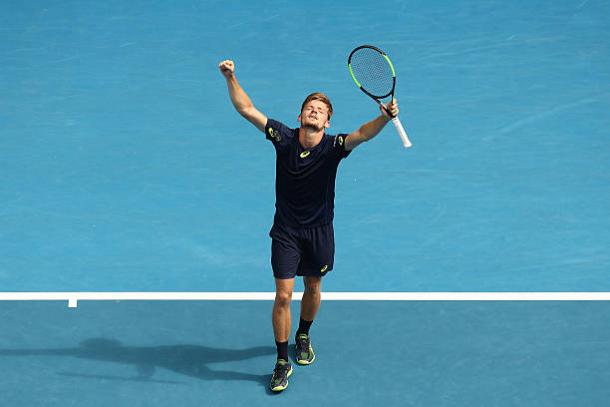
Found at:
<point>281,331</point>
<point>281,312</point>
<point>311,298</point>
<point>309,308</point>
<point>316,262</point>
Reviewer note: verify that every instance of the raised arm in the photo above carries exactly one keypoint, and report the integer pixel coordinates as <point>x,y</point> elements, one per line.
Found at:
<point>239,97</point>
<point>369,130</point>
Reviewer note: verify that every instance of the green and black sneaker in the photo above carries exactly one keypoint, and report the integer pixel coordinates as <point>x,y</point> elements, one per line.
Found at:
<point>281,373</point>
<point>305,354</point>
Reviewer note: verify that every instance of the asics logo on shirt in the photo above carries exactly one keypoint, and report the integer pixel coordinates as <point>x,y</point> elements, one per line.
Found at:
<point>304,154</point>
<point>274,134</point>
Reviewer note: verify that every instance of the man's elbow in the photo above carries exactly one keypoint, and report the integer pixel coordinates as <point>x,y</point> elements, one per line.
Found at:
<point>245,111</point>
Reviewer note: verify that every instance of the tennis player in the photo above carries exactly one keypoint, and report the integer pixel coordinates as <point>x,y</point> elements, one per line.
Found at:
<point>302,233</point>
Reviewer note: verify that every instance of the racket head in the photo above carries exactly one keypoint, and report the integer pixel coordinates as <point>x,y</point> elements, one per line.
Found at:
<point>373,71</point>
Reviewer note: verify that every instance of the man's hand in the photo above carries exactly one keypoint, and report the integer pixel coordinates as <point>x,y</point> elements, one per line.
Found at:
<point>227,68</point>
<point>392,107</point>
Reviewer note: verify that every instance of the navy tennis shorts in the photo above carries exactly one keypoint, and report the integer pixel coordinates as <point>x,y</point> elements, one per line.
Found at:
<point>302,252</point>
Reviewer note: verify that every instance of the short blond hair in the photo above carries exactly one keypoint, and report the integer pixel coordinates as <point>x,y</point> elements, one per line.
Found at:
<point>322,98</point>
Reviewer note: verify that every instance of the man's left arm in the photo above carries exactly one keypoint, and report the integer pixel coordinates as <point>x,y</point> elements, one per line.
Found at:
<point>369,130</point>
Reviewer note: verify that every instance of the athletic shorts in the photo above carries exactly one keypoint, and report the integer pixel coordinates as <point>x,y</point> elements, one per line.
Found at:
<point>302,252</point>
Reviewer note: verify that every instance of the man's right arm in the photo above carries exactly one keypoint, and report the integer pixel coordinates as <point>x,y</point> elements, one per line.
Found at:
<point>239,97</point>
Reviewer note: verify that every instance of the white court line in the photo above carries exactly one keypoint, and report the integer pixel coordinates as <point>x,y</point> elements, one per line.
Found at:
<point>74,297</point>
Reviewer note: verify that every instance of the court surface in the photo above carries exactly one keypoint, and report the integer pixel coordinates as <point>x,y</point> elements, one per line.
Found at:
<point>125,169</point>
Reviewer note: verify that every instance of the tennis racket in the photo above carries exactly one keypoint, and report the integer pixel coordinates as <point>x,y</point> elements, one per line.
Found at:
<point>374,74</point>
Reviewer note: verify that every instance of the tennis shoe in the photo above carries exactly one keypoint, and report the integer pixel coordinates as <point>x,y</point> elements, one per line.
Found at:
<point>304,350</point>
<point>281,373</point>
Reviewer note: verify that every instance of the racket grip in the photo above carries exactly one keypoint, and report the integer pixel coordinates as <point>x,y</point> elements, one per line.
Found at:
<point>401,132</point>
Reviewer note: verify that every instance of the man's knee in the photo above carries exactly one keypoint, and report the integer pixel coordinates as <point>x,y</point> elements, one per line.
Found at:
<point>312,285</point>
<point>283,298</point>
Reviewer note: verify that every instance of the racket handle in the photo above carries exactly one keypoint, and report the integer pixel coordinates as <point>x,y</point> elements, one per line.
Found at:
<point>401,132</point>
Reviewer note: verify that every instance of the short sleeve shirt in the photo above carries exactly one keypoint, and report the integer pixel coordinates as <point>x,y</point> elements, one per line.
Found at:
<point>304,178</point>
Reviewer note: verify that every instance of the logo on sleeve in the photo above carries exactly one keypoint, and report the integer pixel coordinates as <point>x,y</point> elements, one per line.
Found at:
<point>274,134</point>
<point>339,140</point>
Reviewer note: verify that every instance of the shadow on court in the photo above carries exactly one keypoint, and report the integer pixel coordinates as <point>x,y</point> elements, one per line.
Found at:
<point>189,360</point>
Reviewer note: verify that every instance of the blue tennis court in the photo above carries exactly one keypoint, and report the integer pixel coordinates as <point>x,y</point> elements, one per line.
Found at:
<point>126,169</point>
<point>215,353</point>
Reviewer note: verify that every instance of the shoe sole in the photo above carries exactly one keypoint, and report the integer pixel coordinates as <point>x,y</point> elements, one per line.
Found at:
<point>282,388</point>
<point>304,362</point>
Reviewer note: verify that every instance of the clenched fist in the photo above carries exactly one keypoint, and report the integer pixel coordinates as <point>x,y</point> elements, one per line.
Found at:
<point>227,68</point>
<point>391,109</point>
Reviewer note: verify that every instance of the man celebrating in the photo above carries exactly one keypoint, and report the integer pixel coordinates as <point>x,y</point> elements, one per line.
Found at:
<point>302,234</point>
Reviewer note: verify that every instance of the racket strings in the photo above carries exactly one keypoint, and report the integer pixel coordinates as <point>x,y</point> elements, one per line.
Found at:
<point>373,72</point>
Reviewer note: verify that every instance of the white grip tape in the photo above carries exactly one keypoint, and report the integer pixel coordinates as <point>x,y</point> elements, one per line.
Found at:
<point>401,132</point>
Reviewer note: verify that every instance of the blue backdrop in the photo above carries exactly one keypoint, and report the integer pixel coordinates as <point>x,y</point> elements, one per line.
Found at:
<point>125,167</point>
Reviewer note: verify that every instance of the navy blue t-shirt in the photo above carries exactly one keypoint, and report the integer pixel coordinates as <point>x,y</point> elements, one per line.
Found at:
<point>304,178</point>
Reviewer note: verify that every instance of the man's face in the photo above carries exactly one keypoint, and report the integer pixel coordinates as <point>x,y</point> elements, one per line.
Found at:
<point>315,115</point>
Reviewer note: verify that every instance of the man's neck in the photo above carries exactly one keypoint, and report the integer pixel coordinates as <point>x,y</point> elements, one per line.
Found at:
<point>309,137</point>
